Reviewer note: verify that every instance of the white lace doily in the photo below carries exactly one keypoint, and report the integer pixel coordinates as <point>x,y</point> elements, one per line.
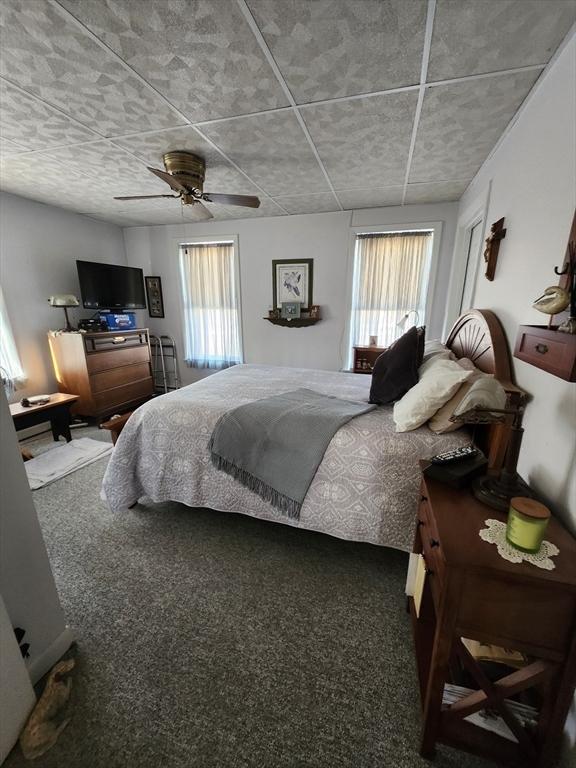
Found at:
<point>496,534</point>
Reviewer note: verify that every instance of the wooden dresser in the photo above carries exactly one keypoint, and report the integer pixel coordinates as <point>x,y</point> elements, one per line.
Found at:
<point>110,372</point>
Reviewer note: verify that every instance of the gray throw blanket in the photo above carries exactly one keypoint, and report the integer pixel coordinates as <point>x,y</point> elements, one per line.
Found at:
<point>274,446</point>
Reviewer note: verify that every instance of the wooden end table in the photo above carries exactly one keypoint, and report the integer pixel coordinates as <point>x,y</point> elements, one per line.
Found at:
<point>471,592</point>
<point>56,411</point>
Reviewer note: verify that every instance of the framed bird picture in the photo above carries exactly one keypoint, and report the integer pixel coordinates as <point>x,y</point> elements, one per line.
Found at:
<point>292,282</point>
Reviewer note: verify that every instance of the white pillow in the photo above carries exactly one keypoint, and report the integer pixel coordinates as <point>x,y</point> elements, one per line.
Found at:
<point>435,349</point>
<point>485,392</point>
<point>439,380</point>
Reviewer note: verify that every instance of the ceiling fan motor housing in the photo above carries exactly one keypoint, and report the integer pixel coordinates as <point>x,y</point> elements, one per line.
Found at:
<point>186,167</point>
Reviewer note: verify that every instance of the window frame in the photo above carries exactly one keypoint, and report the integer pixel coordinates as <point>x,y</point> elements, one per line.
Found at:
<point>434,226</point>
<point>183,242</point>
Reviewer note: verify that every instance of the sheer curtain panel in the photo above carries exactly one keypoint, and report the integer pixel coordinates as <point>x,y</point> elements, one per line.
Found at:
<point>11,367</point>
<point>211,305</point>
<point>390,279</point>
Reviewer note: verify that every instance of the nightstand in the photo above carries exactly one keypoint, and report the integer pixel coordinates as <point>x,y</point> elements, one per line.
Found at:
<point>471,592</point>
<point>365,357</point>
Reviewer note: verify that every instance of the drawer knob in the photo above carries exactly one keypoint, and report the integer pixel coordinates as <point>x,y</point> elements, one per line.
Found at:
<point>434,543</point>
<point>420,522</point>
<point>541,348</point>
<point>423,498</point>
<point>429,571</point>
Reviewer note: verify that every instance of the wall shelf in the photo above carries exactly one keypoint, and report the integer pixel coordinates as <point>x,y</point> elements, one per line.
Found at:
<point>295,322</point>
<point>548,349</point>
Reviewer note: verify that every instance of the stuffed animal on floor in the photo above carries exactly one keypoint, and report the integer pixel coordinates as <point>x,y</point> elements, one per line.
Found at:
<point>48,720</point>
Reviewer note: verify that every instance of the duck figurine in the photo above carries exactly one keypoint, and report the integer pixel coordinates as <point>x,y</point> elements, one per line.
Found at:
<point>554,300</point>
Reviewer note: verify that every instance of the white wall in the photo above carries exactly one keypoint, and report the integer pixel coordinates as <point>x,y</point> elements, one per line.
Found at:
<point>39,245</point>
<point>26,581</point>
<point>324,237</point>
<point>533,185</point>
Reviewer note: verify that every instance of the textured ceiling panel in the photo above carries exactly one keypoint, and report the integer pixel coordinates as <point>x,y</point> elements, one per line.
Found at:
<point>200,55</point>
<point>53,59</point>
<point>221,176</point>
<point>490,35</point>
<point>370,198</point>
<point>435,192</point>
<point>330,48</point>
<point>460,124</point>
<point>267,208</point>
<point>35,125</point>
<point>272,149</point>
<point>8,147</point>
<point>111,165</point>
<point>364,142</point>
<point>319,203</point>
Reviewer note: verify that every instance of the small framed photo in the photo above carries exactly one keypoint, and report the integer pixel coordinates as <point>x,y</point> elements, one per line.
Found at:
<point>290,310</point>
<point>292,282</point>
<point>154,296</point>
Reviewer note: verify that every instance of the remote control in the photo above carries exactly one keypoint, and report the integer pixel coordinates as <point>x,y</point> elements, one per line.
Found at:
<point>456,455</point>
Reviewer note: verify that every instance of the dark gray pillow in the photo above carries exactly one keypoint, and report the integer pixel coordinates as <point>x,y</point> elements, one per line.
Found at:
<point>396,370</point>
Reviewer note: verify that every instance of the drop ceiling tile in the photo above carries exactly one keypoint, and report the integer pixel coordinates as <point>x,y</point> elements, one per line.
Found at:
<point>460,124</point>
<point>8,147</point>
<point>48,55</point>
<point>435,192</point>
<point>267,208</point>
<point>364,142</point>
<point>201,55</point>
<point>319,203</point>
<point>221,176</point>
<point>353,199</point>
<point>486,36</point>
<point>272,149</point>
<point>120,220</point>
<point>115,168</point>
<point>330,48</point>
<point>35,125</point>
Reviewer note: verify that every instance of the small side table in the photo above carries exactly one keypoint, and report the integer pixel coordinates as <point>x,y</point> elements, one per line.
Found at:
<point>471,592</point>
<point>365,357</point>
<point>56,411</point>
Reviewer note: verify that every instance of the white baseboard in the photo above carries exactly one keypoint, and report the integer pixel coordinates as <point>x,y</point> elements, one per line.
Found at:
<point>35,431</point>
<point>44,663</point>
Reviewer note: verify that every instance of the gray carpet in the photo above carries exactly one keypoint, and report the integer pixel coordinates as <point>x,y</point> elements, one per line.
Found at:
<point>214,640</point>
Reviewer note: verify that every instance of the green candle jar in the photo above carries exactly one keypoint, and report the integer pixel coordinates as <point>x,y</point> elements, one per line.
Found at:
<point>527,521</point>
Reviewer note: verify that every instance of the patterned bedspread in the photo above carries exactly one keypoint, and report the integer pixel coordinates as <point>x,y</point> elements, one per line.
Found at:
<point>365,489</point>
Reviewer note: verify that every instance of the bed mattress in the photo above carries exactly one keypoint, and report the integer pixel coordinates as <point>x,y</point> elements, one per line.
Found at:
<point>365,489</point>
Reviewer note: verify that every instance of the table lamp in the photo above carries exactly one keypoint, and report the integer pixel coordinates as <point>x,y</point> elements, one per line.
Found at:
<point>65,300</point>
<point>496,490</point>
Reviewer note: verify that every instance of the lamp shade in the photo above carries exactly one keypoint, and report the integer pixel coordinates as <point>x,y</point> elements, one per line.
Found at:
<point>63,300</point>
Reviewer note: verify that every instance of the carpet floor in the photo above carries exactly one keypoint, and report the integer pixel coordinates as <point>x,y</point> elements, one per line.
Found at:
<point>213,640</point>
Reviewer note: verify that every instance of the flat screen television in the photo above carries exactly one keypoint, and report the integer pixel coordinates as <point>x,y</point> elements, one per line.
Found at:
<point>108,286</point>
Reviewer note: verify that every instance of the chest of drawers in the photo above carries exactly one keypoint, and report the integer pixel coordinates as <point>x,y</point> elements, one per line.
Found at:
<point>110,372</point>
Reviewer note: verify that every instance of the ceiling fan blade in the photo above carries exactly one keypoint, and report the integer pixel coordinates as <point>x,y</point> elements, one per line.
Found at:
<point>145,197</point>
<point>169,179</point>
<point>199,212</point>
<point>248,201</point>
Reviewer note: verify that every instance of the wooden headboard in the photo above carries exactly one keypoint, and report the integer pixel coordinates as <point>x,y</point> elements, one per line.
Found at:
<point>479,336</point>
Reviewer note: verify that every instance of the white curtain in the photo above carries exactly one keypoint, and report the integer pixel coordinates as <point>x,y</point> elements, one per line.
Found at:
<point>390,276</point>
<point>211,305</point>
<point>9,359</point>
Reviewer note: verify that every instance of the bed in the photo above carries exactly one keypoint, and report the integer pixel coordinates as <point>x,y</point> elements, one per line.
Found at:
<point>365,488</point>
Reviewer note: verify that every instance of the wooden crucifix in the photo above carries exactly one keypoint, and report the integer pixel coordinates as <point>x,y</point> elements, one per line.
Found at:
<point>497,233</point>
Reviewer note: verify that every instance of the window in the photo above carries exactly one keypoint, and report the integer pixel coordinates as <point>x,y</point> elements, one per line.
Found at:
<point>390,279</point>
<point>211,304</point>
<point>11,367</point>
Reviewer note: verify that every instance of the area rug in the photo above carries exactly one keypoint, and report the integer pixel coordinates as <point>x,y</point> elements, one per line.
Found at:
<point>63,460</point>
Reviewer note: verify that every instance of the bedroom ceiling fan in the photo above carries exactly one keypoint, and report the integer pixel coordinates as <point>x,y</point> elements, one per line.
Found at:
<point>185,174</point>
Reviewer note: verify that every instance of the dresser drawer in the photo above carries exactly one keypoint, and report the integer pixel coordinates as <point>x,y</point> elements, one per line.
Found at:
<point>117,377</point>
<point>111,398</point>
<point>547,349</point>
<point>431,547</point>
<point>106,360</point>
